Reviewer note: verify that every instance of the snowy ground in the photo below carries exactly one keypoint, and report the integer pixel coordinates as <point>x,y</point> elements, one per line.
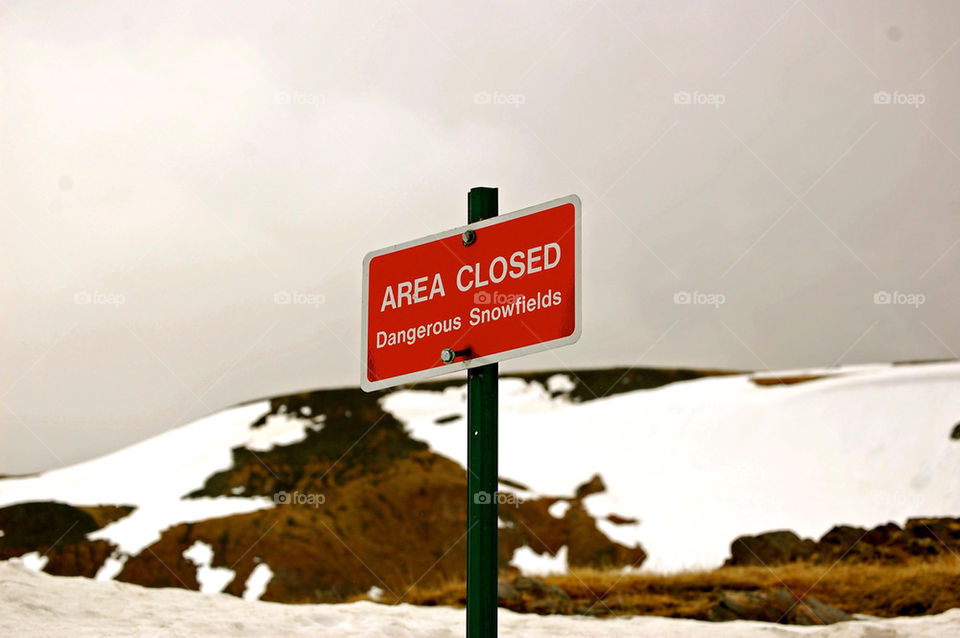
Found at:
<point>34,604</point>
<point>702,462</point>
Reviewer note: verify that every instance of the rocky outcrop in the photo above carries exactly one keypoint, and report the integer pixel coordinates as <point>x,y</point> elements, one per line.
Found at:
<point>779,606</point>
<point>533,595</point>
<point>78,559</point>
<point>770,548</point>
<point>46,523</point>
<point>888,543</point>
<point>58,532</point>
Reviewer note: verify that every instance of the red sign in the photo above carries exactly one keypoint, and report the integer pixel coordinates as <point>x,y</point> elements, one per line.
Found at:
<point>493,290</point>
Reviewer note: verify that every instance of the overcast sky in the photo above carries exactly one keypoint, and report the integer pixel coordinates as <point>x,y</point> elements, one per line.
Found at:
<point>166,170</point>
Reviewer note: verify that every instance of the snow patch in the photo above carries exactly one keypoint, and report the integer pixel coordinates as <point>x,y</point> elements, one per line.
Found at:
<point>560,383</point>
<point>34,561</point>
<point>257,582</point>
<point>111,567</point>
<point>523,397</point>
<point>625,534</point>
<point>280,429</point>
<point>529,562</point>
<point>375,593</point>
<point>418,410</point>
<point>603,504</point>
<point>212,579</point>
<point>559,509</point>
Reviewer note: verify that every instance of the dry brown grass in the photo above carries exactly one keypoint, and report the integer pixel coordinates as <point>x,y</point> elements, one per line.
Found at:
<point>926,587</point>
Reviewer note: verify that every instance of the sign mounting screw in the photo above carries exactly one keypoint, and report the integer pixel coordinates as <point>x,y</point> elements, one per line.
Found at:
<point>447,355</point>
<point>468,237</point>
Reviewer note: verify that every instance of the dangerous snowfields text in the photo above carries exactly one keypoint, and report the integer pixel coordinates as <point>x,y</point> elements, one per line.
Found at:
<point>520,305</point>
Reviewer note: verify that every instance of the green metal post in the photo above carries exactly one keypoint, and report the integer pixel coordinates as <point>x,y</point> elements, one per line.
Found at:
<point>482,479</point>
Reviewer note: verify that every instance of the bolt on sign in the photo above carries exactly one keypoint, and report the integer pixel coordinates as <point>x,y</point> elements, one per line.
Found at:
<point>493,290</point>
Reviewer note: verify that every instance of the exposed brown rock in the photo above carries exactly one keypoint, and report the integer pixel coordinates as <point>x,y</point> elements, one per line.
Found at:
<point>533,595</point>
<point>842,538</point>
<point>770,548</point>
<point>78,559</point>
<point>779,606</point>
<point>589,547</point>
<point>882,534</point>
<point>43,524</point>
<point>508,596</point>
<point>594,486</point>
<point>887,543</point>
<point>944,530</point>
<point>103,515</point>
<point>58,532</point>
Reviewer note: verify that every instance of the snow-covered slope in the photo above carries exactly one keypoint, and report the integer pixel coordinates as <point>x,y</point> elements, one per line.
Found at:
<point>34,604</point>
<point>156,474</point>
<point>699,462</point>
<point>702,462</point>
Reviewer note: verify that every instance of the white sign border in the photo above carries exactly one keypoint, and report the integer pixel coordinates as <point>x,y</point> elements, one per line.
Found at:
<point>411,377</point>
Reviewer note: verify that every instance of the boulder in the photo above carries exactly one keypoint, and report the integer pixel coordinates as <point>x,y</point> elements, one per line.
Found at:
<point>770,548</point>
<point>882,534</point>
<point>508,596</point>
<point>941,529</point>
<point>58,531</point>
<point>541,598</point>
<point>779,606</point>
<point>843,537</point>
<point>533,586</point>
<point>737,606</point>
<point>814,612</point>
